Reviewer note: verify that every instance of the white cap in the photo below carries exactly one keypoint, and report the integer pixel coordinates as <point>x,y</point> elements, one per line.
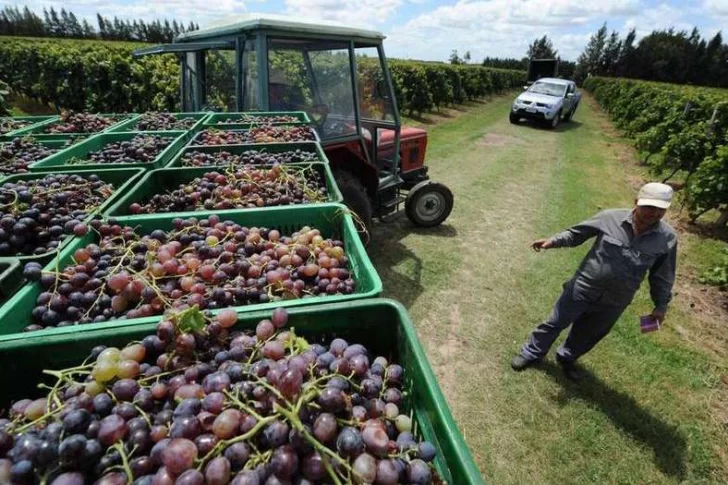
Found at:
<point>655,194</point>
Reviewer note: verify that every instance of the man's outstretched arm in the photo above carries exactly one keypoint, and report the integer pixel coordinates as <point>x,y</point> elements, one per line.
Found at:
<point>573,236</point>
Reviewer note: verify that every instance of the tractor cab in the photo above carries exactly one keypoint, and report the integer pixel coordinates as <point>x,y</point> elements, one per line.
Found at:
<point>336,74</point>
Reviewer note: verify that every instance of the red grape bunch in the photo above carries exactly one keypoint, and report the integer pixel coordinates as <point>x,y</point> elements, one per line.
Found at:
<point>36,215</point>
<point>70,122</point>
<point>140,149</point>
<point>208,263</point>
<point>195,158</point>
<point>153,121</point>
<point>201,402</point>
<point>260,134</point>
<point>17,155</point>
<point>243,187</point>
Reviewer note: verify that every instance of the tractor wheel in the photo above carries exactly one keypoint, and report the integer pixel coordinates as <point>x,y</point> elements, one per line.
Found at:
<point>428,204</point>
<point>356,198</point>
<point>514,119</point>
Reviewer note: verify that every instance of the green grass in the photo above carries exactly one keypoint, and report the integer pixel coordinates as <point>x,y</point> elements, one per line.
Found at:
<point>649,410</point>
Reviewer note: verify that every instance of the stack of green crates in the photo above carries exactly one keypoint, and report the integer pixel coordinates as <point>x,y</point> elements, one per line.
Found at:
<point>382,325</point>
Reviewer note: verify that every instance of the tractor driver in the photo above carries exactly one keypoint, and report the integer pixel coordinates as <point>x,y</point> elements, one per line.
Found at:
<point>282,94</point>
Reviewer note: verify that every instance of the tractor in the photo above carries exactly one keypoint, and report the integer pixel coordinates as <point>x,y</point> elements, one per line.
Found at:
<point>340,77</point>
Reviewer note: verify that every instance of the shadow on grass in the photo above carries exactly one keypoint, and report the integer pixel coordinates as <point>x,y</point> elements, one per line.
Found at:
<point>667,443</point>
<point>399,267</point>
<point>564,126</point>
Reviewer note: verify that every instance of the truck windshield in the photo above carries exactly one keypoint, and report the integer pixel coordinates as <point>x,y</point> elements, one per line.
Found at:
<point>550,89</point>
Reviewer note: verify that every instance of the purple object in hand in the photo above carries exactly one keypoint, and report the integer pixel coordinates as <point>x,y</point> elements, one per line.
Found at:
<point>649,324</point>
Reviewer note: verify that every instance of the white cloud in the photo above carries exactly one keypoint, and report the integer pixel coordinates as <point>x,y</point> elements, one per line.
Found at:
<point>661,17</point>
<point>716,7</point>
<point>364,13</point>
<point>502,27</point>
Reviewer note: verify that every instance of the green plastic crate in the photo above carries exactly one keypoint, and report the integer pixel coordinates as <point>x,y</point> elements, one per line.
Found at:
<point>33,120</point>
<point>312,147</point>
<point>70,139</point>
<point>167,179</point>
<point>59,161</point>
<point>195,140</point>
<point>48,143</point>
<point>382,325</point>
<point>332,219</point>
<point>213,121</point>
<point>121,178</point>
<point>120,117</point>
<point>11,278</point>
<point>131,125</point>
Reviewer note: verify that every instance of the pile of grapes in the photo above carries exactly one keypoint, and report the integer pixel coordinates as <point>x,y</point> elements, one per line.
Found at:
<point>195,158</point>
<point>17,155</point>
<point>208,263</point>
<point>201,403</point>
<point>9,124</point>
<point>140,149</point>
<point>261,134</point>
<point>265,120</point>
<point>36,215</point>
<point>70,122</point>
<point>240,188</point>
<point>163,121</point>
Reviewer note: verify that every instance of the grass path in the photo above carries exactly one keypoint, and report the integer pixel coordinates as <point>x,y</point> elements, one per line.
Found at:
<point>649,409</point>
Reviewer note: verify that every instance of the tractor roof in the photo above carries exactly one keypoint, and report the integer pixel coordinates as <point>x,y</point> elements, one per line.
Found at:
<point>255,21</point>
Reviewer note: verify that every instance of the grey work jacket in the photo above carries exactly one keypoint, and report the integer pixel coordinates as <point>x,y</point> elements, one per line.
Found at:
<point>615,266</point>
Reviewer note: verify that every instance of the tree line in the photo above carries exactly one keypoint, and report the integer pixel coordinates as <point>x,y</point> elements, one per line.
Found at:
<point>66,24</point>
<point>540,48</point>
<point>663,55</point>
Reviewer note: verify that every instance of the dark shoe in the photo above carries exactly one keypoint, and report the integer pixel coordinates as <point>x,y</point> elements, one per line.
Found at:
<point>519,363</point>
<point>571,370</point>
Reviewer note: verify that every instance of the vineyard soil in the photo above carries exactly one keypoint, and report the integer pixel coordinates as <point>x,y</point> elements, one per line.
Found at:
<point>652,409</point>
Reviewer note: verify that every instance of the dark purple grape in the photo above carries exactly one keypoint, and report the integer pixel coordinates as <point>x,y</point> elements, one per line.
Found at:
<point>284,461</point>
<point>418,472</point>
<point>237,454</point>
<point>349,442</point>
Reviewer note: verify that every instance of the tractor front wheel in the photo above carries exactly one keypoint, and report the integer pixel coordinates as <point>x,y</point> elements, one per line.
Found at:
<point>428,204</point>
<point>356,198</point>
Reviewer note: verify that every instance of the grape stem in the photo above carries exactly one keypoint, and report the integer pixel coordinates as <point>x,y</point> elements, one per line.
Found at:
<point>221,445</point>
<point>296,423</point>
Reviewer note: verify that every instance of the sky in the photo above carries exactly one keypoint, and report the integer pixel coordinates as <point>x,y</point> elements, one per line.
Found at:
<point>431,29</point>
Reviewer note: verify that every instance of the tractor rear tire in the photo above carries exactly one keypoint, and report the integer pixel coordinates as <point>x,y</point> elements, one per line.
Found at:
<point>356,199</point>
<point>428,204</point>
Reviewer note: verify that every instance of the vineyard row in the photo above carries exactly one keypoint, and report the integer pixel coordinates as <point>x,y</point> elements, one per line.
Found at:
<point>681,133</point>
<point>103,77</point>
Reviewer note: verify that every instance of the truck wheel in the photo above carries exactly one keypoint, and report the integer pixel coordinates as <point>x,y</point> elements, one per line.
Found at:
<point>356,199</point>
<point>428,204</point>
<point>514,118</point>
<point>570,114</point>
<point>555,122</point>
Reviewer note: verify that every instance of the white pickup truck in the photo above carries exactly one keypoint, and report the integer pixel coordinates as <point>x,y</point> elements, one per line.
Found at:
<point>548,99</point>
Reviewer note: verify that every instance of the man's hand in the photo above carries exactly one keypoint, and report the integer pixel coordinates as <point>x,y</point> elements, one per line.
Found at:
<point>658,315</point>
<point>542,244</point>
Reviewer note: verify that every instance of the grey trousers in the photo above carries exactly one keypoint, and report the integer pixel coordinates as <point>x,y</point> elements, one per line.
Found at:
<point>591,323</point>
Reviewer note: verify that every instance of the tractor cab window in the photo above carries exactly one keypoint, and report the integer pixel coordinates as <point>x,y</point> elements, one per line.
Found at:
<point>220,80</point>
<point>375,102</point>
<point>313,76</point>
<point>251,96</point>
<point>377,109</point>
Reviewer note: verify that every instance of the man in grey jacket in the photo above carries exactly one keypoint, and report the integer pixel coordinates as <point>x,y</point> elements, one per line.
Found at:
<point>629,243</point>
